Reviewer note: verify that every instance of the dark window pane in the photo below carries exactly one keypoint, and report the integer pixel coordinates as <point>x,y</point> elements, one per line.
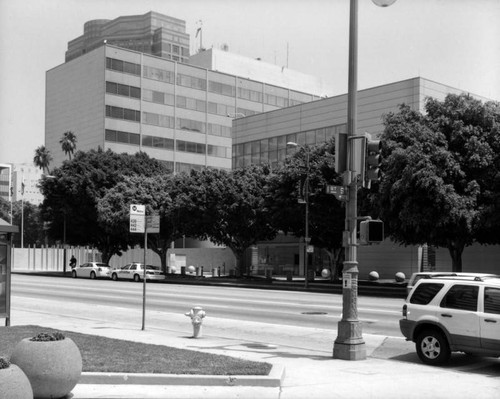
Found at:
<point>425,293</point>
<point>462,297</point>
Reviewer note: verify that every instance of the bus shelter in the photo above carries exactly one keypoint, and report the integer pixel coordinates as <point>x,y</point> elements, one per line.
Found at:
<point>6,231</point>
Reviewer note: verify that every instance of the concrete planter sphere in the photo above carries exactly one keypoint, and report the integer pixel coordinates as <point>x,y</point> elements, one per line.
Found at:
<point>399,277</point>
<point>14,384</point>
<point>53,368</point>
<point>373,276</point>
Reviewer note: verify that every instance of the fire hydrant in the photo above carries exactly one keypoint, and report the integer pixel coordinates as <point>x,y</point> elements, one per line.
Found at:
<point>197,314</point>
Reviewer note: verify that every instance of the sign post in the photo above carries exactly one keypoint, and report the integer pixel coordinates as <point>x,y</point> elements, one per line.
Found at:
<point>138,225</point>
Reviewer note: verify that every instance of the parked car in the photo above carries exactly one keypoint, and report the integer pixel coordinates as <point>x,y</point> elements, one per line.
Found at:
<point>91,270</point>
<point>135,271</point>
<point>453,313</point>
<point>420,275</point>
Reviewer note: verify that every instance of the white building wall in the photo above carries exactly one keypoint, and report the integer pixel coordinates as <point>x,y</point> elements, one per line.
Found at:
<point>75,101</point>
<point>250,68</point>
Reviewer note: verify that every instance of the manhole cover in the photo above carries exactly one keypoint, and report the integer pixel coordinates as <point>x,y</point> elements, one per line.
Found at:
<point>314,313</point>
<point>260,346</point>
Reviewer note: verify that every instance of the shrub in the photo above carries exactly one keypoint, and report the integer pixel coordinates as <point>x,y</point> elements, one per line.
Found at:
<point>4,363</point>
<point>44,337</point>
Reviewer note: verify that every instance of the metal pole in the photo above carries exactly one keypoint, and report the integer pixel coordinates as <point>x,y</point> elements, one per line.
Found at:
<point>349,344</point>
<point>144,279</point>
<point>307,239</point>
<point>64,244</point>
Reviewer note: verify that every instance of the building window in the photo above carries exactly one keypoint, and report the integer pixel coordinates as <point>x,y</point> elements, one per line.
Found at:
<point>150,118</point>
<point>222,88</point>
<point>158,97</point>
<point>123,90</point>
<point>158,142</point>
<point>191,81</point>
<point>123,66</point>
<point>158,74</point>
<point>219,130</point>
<point>189,124</point>
<point>117,136</point>
<point>123,113</point>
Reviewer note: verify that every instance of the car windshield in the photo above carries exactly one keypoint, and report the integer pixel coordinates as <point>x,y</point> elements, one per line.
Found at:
<point>149,267</point>
<point>101,265</point>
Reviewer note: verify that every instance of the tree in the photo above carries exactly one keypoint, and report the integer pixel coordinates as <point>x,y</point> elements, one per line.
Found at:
<point>72,194</point>
<point>326,213</point>
<point>68,143</point>
<point>42,158</point>
<point>229,208</point>
<point>154,193</point>
<point>441,174</point>
<point>33,226</point>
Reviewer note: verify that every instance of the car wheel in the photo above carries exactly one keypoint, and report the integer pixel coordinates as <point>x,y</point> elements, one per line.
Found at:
<point>73,274</point>
<point>137,278</point>
<point>92,275</point>
<point>114,277</point>
<point>432,347</point>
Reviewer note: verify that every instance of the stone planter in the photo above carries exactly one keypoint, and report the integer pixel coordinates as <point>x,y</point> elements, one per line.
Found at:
<point>14,384</point>
<point>53,368</point>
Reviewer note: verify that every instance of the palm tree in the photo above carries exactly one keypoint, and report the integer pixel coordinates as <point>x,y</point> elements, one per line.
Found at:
<point>68,143</point>
<point>42,158</point>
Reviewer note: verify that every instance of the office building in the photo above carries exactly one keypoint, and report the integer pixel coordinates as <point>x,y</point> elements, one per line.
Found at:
<point>151,33</point>
<point>130,101</point>
<point>263,138</point>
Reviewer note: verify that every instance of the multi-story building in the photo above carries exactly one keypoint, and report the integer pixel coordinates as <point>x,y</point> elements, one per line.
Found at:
<point>130,101</point>
<point>263,138</point>
<point>151,33</point>
<point>20,182</point>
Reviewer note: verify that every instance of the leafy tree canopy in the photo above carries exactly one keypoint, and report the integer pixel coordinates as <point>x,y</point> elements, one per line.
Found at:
<point>74,189</point>
<point>441,174</point>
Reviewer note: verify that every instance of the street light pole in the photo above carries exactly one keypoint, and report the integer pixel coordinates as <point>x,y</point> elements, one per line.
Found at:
<point>307,239</point>
<point>349,344</point>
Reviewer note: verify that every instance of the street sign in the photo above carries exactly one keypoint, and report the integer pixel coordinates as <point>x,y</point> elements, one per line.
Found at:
<point>153,224</point>
<point>137,218</point>
<point>310,249</point>
<point>340,192</point>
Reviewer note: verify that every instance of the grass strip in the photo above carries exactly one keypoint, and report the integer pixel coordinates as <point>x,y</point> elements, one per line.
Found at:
<point>101,354</point>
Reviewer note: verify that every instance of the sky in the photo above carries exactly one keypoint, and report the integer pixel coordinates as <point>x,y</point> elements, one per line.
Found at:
<point>453,42</point>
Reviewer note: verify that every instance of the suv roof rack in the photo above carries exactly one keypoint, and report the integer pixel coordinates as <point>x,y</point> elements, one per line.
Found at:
<point>466,278</point>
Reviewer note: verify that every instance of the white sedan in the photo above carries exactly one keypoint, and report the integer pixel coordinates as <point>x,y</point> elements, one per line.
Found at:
<point>135,271</point>
<point>92,270</point>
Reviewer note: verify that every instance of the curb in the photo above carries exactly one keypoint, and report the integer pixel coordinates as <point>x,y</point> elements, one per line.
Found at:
<point>274,379</point>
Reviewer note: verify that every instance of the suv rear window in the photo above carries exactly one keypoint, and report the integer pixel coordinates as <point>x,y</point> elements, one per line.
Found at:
<point>424,293</point>
<point>463,297</point>
<point>492,300</point>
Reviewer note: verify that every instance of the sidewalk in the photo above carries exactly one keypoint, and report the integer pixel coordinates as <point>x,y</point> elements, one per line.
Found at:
<point>391,370</point>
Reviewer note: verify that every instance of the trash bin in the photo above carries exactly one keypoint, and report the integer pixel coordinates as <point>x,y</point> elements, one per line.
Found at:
<point>310,275</point>
<point>183,270</point>
<point>289,275</point>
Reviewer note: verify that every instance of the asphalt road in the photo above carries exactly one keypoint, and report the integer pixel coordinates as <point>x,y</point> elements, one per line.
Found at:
<point>105,298</point>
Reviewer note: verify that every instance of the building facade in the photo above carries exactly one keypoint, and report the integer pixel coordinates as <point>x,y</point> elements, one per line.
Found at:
<point>262,138</point>
<point>151,33</point>
<point>129,101</point>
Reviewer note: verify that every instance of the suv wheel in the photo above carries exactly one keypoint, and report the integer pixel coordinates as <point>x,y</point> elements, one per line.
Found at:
<point>114,277</point>
<point>137,278</point>
<point>432,347</point>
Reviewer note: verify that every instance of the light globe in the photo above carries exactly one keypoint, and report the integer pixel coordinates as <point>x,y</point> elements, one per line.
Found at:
<point>383,3</point>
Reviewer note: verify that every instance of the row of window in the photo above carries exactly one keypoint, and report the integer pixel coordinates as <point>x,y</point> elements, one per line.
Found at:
<point>117,136</point>
<point>198,83</point>
<point>123,90</point>
<point>150,118</point>
<point>274,150</point>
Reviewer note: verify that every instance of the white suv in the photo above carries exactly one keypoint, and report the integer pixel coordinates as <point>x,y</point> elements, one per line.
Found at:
<point>448,314</point>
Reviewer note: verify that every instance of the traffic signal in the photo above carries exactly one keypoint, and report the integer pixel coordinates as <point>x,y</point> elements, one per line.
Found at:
<point>371,231</point>
<point>372,162</point>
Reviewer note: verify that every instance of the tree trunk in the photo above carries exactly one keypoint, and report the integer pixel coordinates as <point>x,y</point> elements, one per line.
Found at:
<point>456,250</point>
